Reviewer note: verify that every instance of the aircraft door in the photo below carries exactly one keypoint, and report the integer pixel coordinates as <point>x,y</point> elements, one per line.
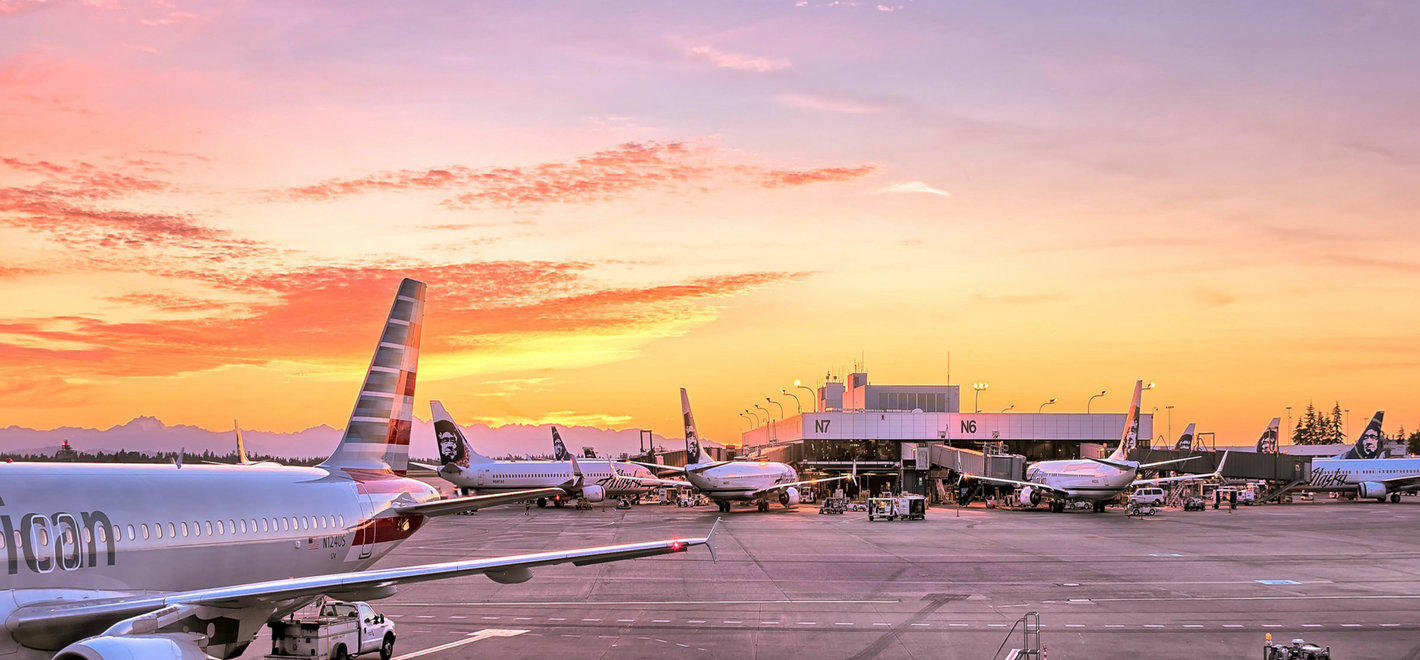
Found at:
<point>365,532</point>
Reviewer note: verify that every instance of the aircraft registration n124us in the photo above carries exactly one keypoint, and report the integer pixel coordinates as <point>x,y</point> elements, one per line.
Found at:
<point>164,561</point>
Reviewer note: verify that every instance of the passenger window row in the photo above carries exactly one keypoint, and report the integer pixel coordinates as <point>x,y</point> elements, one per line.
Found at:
<point>197,529</point>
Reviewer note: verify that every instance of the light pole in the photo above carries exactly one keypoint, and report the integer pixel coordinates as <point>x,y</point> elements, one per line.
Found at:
<point>1043,405</point>
<point>747,418</point>
<point>799,407</point>
<point>767,415</point>
<point>978,387</point>
<point>1289,424</point>
<point>1347,412</point>
<point>1009,408</point>
<point>1092,400</point>
<point>781,406</point>
<point>756,415</point>
<point>811,393</point>
<point>1170,409</point>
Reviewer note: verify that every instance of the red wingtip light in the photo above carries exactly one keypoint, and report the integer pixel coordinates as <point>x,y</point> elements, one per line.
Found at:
<point>677,546</point>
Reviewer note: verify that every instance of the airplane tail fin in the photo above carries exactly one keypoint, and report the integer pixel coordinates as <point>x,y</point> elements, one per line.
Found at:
<point>1267,444</point>
<point>692,441</point>
<point>453,446</point>
<point>1131,426</point>
<point>1368,445</point>
<point>559,450</point>
<point>1185,441</point>
<point>377,435</point>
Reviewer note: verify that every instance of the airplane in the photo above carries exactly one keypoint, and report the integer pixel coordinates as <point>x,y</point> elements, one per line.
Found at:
<point>1185,441</point>
<point>111,561</point>
<point>559,450</point>
<point>728,481</point>
<point>466,468</point>
<point>1360,469</point>
<point>1096,480</point>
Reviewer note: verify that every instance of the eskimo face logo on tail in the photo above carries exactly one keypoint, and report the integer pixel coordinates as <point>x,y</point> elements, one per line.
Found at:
<point>559,450</point>
<point>451,443</point>
<point>692,447</point>
<point>1369,444</point>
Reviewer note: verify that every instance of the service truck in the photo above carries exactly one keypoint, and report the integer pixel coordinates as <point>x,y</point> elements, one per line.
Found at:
<point>341,630</point>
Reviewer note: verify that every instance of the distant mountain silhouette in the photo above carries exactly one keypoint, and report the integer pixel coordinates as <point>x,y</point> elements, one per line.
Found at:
<point>149,434</point>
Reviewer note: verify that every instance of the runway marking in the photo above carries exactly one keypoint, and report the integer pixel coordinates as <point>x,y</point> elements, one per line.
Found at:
<point>882,624</point>
<point>921,624</point>
<point>1350,625</point>
<point>1232,625</point>
<point>490,618</point>
<point>626,620</point>
<point>1311,625</point>
<point>1074,625</point>
<point>1192,625</point>
<point>1271,625</point>
<point>457,616</point>
<point>660,620</point>
<point>781,601</point>
<point>808,623</point>
<point>733,622</point>
<point>687,620</point>
<point>556,618</point>
<point>768,623</point>
<point>472,637</point>
<point>959,625</point>
<point>1107,625</point>
<point>1390,625</point>
<point>996,625</point>
<point>843,623</point>
<point>523,618</point>
<point>424,616</point>
<point>591,620</point>
<point>1196,598</point>
<point>1152,625</point>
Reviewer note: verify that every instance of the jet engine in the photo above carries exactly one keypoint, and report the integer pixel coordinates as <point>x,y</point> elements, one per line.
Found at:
<point>789,496</point>
<point>1371,489</point>
<point>1030,495</point>
<point>173,646</point>
<point>594,493</point>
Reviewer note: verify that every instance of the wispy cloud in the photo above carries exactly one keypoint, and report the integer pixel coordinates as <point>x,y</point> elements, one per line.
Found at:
<point>601,176</point>
<point>828,104</point>
<point>914,187</point>
<point>738,61</point>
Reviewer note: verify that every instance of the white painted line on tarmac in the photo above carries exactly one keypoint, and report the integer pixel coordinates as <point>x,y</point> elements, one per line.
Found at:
<point>1107,625</point>
<point>1390,625</point>
<point>457,616</point>
<point>626,620</point>
<point>472,637</point>
<point>882,624</point>
<point>843,623</point>
<point>1152,625</point>
<point>1192,625</point>
<point>1197,598</point>
<point>731,622</point>
<point>1232,625</point>
<point>590,620</point>
<point>1350,625</point>
<point>687,621</point>
<point>780,601</point>
<point>958,625</point>
<point>1074,625</point>
<point>556,618</point>
<point>660,620</point>
<point>1311,625</point>
<point>922,624</point>
<point>768,623</point>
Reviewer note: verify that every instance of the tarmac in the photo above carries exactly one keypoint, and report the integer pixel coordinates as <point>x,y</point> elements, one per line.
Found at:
<point>797,584</point>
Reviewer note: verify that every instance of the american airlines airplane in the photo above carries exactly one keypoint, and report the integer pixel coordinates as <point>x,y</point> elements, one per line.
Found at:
<point>1360,469</point>
<point>166,562</point>
<point>466,468</point>
<point>728,481</point>
<point>1096,480</point>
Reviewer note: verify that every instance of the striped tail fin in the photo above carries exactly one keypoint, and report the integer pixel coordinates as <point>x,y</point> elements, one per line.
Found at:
<point>1131,426</point>
<point>377,436</point>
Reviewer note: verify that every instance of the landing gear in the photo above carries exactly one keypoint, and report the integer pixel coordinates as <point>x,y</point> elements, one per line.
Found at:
<point>1099,507</point>
<point>1395,498</point>
<point>559,503</point>
<point>763,505</point>
<point>542,502</point>
<point>1056,506</point>
<point>724,506</point>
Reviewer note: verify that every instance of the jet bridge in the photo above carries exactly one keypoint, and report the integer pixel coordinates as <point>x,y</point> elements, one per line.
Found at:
<point>1280,468</point>
<point>1001,466</point>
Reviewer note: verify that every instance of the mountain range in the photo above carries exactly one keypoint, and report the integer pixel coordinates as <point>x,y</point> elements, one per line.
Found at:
<point>151,435</point>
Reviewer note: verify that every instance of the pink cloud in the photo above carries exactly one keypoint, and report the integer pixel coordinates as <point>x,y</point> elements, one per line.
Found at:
<point>736,61</point>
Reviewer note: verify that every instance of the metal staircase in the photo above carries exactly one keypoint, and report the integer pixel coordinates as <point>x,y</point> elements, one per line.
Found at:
<point>1031,648</point>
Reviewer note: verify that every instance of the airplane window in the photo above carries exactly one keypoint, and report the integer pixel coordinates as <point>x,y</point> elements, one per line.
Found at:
<point>89,536</point>
<point>244,525</point>
<point>144,527</point>
<point>220,529</point>
<point>341,519</point>
<point>263,524</point>
<point>2,541</point>
<point>132,533</point>
<point>184,530</point>
<point>209,527</point>
<point>172,530</point>
<point>305,522</point>
<point>68,536</point>
<point>285,524</point>
<point>43,537</point>
<point>18,544</point>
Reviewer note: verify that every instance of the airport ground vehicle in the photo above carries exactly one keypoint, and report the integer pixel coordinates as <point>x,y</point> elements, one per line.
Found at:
<point>906,507</point>
<point>1297,650</point>
<point>1141,510</point>
<point>836,503</point>
<point>1193,504</point>
<point>340,630</point>
<point>1150,495</point>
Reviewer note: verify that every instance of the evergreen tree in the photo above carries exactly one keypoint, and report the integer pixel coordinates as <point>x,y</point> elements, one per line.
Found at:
<point>1335,428</point>
<point>1412,443</point>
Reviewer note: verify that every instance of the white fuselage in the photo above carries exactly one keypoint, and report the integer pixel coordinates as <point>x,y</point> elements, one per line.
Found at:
<point>92,528</point>
<point>1345,473</point>
<point>739,480</point>
<point>1082,479</point>
<point>496,476</point>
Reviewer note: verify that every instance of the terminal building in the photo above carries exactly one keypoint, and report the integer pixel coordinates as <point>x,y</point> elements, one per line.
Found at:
<point>916,436</point>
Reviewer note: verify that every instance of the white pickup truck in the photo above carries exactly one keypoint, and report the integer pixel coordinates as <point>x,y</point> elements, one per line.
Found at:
<point>341,630</point>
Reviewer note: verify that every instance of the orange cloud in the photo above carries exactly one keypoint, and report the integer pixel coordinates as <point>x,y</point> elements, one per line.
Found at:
<point>326,315</point>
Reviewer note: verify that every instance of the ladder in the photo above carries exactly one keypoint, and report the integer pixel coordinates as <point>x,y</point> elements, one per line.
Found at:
<point>1279,492</point>
<point>1030,639</point>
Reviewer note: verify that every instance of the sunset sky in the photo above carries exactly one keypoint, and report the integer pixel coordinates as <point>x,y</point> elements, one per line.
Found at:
<point>205,207</point>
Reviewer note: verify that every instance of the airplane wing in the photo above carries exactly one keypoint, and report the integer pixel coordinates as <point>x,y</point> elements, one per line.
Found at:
<point>1147,466</point>
<point>1401,482</point>
<point>473,502</point>
<point>1018,484</point>
<point>39,622</point>
<point>1118,466</point>
<point>658,466</point>
<point>426,466</point>
<point>1215,474</point>
<point>776,487</point>
<point>651,481</point>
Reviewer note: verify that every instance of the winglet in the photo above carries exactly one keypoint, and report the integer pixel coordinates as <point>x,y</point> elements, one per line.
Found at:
<point>709,536</point>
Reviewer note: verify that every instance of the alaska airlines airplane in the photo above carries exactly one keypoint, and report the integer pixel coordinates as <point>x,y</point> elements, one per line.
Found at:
<point>1360,469</point>
<point>1096,480</point>
<point>165,562</point>
<point>728,481</point>
<point>466,468</point>
<point>1267,444</point>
